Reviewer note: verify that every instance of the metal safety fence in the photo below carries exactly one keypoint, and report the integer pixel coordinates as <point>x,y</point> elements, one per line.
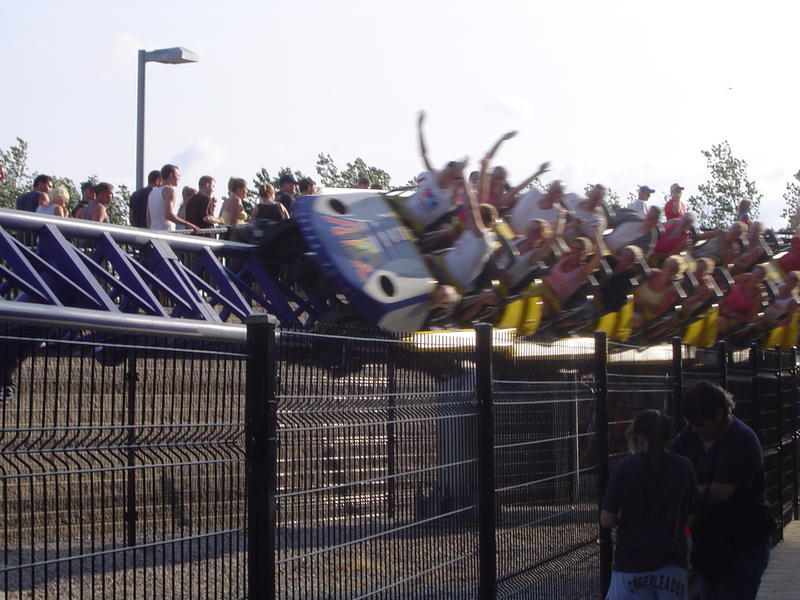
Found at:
<point>337,463</point>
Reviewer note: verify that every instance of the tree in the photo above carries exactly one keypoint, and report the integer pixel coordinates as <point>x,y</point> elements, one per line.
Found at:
<point>262,176</point>
<point>17,179</point>
<point>791,208</point>
<point>331,176</point>
<point>717,204</point>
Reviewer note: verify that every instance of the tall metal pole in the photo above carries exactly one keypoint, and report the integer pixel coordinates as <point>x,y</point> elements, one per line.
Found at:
<point>140,122</point>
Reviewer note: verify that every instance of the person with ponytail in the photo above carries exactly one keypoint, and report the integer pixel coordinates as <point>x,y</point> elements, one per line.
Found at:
<point>650,498</point>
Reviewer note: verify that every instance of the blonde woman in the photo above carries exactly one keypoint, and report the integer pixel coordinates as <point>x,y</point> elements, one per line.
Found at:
<point>232,212</point>
<point>59,196</point>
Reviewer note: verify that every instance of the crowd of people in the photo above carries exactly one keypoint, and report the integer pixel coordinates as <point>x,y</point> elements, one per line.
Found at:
<point>566,240</point>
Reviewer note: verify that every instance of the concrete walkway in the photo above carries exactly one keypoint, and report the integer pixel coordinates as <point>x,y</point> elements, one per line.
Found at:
<point>781,580</point>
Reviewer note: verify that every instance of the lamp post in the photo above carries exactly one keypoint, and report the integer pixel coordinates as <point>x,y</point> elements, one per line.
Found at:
<point>169,56</point>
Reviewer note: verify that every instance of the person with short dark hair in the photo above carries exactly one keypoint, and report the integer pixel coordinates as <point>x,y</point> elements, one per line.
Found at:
<point>732,534</point>
<point>307,186</point>
<point>161,202</point>
<point>30,201</point>
<point>651,497</point>
<point>96,211</point>
<point>285,195</point>
<point>200,208</point>
<point>138,202</point>
<point>87,197</point>
<point>364,183</point>
<point>642,196</point>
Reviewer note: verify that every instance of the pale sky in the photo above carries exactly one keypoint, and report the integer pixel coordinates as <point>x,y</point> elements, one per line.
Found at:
<point>617,92</point>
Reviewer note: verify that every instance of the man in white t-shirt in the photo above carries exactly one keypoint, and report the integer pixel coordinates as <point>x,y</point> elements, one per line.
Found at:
<point>539,205</point>
<point>640,205</point>
<point>161,202</point>
<point>590,211</point>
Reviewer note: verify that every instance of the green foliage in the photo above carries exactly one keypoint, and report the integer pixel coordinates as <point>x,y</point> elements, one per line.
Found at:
<point>791,207</point>
<point>19,180</point>
<point>717,203</point>
<point>331,176</point>
<point>262,177</point>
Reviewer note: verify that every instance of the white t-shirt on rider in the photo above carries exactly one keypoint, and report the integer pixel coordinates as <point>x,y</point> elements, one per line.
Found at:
<point>465,261</point>
<point>430,202</point>
<point>527,208</point>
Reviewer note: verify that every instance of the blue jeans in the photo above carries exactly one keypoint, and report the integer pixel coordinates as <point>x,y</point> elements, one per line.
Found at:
<point>742,580</point>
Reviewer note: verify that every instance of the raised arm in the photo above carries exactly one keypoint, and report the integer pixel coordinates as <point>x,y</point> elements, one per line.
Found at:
<point>483,182</point>
<point>474,220</point>
<point>423,149</point>
<point>599,247</point>
<point>507,199</point>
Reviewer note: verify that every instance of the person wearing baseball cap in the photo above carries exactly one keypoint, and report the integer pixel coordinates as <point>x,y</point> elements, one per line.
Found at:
<point>286,187</point>
<point>640,204</point>
<point>674,208</point>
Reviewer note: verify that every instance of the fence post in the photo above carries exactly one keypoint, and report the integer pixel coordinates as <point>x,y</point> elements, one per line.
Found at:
<point>261,456</point>
<point>131,515</point>
<point>795,438</point>
<point>601,417</point>
<point>487,516</point>
<point>391,440</point>
<point>779,424</point>
<point>677,382</point>
<point>755,364</point>
<point>722,363</point>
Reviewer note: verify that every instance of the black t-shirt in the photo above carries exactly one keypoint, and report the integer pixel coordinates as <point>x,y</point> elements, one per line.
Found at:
<point>735,459</point>
<point>615,289</point>
<point>197,209</point>
<point>138,206</point>
<point>29,201</point>
<point>652,511</point>
<point>271,212</point>
<point>286,199</point>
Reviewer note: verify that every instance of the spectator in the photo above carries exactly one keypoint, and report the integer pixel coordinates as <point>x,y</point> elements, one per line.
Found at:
<point>744,212</point>
<point>96,211</point>
<point>651,497</point>
<point>87,197</point>
<point>186,194</point>
<point>674,208</point>
<point>232,212</point>
<point>161,202</point>
<point>732,534</point>
<point>200,208</point>
<point>267,208</point>
<point>138,202</point>
<point>30,201</point>
<point>285,195</point>
<point>364,183</point>
<point>306,186</point>
<point>59,196</point>
<point>640,204</point>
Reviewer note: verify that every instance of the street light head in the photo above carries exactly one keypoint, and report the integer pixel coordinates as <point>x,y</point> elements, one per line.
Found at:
<point>171,56</point>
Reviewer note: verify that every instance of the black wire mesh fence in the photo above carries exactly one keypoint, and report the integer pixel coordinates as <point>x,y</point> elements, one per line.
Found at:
<point>121,466</point>
<point>337,464</point>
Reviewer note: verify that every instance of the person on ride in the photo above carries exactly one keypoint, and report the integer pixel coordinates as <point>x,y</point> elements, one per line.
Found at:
<point>674,239</point>
<point>613,292</point>
<point>705,289</point>
<point>533,247</point>
<point>791,260</point>
<point>780,311</point>
<point>743,302</point>
<point>589,210</point>
<point>744,212</point>
<point>754,251</point>
<point>537,205</point>
<point>433,198</point>
<point>637,230</point>
<point>674,208</point>
<point>722,244</point>
<point>657,295</point>
<point>569,274</point>
<point>461,265</point>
